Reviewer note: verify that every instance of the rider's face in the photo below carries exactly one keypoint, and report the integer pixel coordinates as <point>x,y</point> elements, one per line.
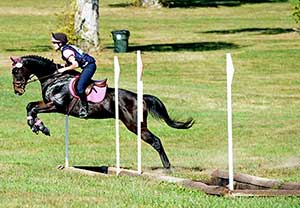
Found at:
<point>55,45</point>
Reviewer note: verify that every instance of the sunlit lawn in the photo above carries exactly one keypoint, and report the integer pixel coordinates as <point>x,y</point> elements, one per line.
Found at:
<point>184,60</point>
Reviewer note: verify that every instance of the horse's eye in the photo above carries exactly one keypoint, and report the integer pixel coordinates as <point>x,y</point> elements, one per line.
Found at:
<point>15,70</point>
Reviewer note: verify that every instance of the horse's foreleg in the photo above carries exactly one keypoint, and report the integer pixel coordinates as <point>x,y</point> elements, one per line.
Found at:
<point>36,124</point>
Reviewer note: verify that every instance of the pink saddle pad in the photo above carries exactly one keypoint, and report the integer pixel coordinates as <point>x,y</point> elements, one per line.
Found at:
<point>96,95</point>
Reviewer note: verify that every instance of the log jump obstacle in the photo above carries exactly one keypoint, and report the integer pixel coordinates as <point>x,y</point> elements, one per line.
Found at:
<point>222,183</point>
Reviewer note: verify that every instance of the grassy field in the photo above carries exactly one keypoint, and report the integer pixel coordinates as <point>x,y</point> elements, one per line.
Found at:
<point>184,59</point>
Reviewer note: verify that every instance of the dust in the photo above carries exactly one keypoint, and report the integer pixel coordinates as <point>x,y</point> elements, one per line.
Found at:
<point>291,162</point>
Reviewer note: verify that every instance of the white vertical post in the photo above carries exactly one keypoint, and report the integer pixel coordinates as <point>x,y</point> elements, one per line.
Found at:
<point>139,109</point>
<point>117,74</point>
<point>67,141</point>
<point>230,72</point>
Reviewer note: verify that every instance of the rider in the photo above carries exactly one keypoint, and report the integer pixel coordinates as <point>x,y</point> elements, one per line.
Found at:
<point>75,58</point>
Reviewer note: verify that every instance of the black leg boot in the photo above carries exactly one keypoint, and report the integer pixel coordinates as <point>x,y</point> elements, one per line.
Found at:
<point>83,111</point>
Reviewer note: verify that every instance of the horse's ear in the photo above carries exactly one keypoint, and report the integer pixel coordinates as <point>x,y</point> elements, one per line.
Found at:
<point>15,59</point>
<point>12,59</point>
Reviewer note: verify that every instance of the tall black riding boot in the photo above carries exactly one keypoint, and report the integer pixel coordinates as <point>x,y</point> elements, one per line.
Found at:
<point>83,111</point>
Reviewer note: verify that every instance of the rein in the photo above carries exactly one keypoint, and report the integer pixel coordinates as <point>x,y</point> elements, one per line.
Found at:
<point>30,80</point>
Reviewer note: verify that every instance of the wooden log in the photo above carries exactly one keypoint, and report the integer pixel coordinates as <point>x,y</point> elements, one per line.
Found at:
<point>249,179</point>
<point>113,170</point>
<point>290,186</point>
<point>220,179</point>
<point>213,190</point>
<point>287,189</point>
<point>244,186</point>
<point>264,193</point>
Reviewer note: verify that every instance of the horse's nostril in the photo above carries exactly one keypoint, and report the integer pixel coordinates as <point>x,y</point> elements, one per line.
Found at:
<point>19,92</point>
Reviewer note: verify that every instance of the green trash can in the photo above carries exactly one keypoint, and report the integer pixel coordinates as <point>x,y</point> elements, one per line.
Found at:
<point>120,38</point>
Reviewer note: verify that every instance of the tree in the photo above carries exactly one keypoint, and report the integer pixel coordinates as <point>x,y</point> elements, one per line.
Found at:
<point>87,23</point>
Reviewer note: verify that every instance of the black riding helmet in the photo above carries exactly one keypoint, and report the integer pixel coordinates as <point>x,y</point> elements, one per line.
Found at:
<point>59,38</point>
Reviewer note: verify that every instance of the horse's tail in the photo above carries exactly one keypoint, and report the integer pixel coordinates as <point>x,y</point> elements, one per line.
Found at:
<point>158,110</point>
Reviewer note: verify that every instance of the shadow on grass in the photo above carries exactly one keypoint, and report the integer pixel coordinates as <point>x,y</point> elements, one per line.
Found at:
<point>214,3</point>
<point>169,47</point>
<point>121,5</point>
<point>266,31</point>
<point>104,169</point>
<point>203,3</point>
<point>98,169</point>
<point>37,48</point>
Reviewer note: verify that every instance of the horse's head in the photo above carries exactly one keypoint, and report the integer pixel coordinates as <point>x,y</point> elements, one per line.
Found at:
<point>24,67</point>
<point>20,74</point>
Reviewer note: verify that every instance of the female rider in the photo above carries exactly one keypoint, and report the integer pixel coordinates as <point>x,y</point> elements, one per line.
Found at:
<point>74,58</point>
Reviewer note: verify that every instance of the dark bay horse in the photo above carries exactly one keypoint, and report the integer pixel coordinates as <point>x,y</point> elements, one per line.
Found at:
<point>57,98</point>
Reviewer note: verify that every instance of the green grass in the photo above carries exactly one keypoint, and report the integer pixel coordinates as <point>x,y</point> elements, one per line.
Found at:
<point>184,59</point>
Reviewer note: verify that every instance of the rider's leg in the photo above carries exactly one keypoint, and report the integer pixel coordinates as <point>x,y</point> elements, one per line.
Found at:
<point>83,111</point>
<point>84,79</point>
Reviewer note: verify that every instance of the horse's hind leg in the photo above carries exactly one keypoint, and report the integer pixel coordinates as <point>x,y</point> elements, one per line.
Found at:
<point>155,142</point>
<point>150,138</point>
<point>128,115</point>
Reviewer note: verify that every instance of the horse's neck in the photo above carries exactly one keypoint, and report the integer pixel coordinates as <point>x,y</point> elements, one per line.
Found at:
<point>39,66</point>
<point>41,71</point>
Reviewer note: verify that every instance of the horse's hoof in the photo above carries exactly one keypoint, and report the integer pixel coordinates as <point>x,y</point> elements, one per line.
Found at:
<point>35,130</point>
<point>46,131</point>
<point>168,171</point>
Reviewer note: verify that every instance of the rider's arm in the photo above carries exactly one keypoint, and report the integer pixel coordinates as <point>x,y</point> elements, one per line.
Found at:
<point>72,60</point>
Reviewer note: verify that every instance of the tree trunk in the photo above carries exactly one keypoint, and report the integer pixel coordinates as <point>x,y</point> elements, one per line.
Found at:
<point>87,24</point>
<point>150,3</point>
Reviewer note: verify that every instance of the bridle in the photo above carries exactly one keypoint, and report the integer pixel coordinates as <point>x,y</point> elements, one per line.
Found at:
<point>24,82</point>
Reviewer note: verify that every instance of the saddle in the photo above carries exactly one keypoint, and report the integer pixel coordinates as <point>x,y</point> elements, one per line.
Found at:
<point>95,91</point>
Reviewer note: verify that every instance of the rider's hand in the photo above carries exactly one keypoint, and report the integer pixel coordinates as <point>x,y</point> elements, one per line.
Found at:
<point>61,70</point>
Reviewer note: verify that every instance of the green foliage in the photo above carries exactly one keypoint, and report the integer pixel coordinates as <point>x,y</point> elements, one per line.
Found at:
<point>296,10</point>
<point>66,21</point>
<point>137,3</point>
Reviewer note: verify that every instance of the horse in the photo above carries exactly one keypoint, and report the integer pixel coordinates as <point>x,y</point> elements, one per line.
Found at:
<point>57,98</point>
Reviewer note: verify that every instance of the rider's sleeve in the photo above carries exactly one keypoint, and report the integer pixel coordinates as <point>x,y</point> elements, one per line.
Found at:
<point>68,53</point>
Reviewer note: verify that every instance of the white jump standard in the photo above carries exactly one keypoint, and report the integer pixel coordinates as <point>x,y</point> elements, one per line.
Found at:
<point>139,82</point>
<point>117,75</point>
<point>139,112</point>
<point>230,73</point>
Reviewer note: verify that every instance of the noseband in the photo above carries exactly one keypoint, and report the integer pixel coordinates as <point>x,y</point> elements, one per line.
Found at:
<point>19,83</point>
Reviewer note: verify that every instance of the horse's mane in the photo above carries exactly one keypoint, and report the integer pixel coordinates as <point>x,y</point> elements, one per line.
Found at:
<point>41,65</point>
<point>38,59</point>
